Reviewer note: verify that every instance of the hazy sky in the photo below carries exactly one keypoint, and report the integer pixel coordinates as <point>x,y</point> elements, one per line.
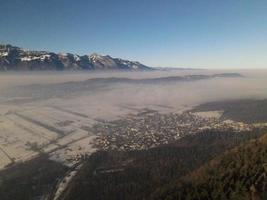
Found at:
<point>180,33</point>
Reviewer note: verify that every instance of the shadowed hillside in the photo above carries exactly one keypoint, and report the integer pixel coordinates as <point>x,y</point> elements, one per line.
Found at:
<point>248,111</point>
<point>238,174</point>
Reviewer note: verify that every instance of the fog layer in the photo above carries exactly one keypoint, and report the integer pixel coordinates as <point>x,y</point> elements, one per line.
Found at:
<point>107,99</point>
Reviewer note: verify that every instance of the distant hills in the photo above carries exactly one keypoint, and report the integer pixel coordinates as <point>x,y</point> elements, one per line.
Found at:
<point>242,110</point>
<point>33,92</point>
<point>16,58</point>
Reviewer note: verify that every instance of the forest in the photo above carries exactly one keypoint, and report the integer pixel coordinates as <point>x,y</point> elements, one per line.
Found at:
<point>244,110</point>
<point>30,180</point>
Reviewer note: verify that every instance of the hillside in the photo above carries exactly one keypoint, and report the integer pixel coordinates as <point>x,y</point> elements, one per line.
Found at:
<point>16,58</point>
<point>31,179</point>
<point>245,110</point>
<point>237,174</point>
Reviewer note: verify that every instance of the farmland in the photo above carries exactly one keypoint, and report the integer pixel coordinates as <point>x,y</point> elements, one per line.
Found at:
<point>27,132</point>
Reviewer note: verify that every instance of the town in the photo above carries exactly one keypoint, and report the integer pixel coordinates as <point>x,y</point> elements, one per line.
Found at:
<point>150,128</point>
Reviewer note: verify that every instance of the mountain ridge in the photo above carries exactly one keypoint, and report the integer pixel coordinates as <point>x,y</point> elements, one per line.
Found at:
<point>16,58</point>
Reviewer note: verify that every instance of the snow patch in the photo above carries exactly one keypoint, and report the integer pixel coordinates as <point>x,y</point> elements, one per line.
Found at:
<point>3,54</point>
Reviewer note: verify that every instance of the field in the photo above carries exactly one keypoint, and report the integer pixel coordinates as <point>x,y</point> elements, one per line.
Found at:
<point>27,132</point>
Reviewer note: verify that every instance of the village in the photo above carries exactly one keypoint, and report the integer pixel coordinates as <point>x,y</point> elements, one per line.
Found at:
<point>150,129</point>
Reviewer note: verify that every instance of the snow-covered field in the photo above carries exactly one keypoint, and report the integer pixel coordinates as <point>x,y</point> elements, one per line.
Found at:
<point>210,114</point>
<point>27,131</point>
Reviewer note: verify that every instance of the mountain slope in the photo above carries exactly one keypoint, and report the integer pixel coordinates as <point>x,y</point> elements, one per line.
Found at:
<point>239,174</point>
<point>15,58</point>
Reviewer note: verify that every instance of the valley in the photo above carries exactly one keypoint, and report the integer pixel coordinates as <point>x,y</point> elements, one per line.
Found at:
<point>133,100</point>
<point>107,126</point>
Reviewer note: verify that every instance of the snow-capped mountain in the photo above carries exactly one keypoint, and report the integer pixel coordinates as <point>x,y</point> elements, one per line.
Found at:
<point>15,58</point>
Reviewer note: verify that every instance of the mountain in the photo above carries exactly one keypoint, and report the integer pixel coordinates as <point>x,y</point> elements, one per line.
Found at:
<point>16,58</point>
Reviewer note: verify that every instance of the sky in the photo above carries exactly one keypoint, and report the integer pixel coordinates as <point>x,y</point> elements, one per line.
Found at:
<point>167,33</point>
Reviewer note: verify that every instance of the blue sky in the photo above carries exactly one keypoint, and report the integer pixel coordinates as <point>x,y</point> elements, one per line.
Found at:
<point>171,33</point>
